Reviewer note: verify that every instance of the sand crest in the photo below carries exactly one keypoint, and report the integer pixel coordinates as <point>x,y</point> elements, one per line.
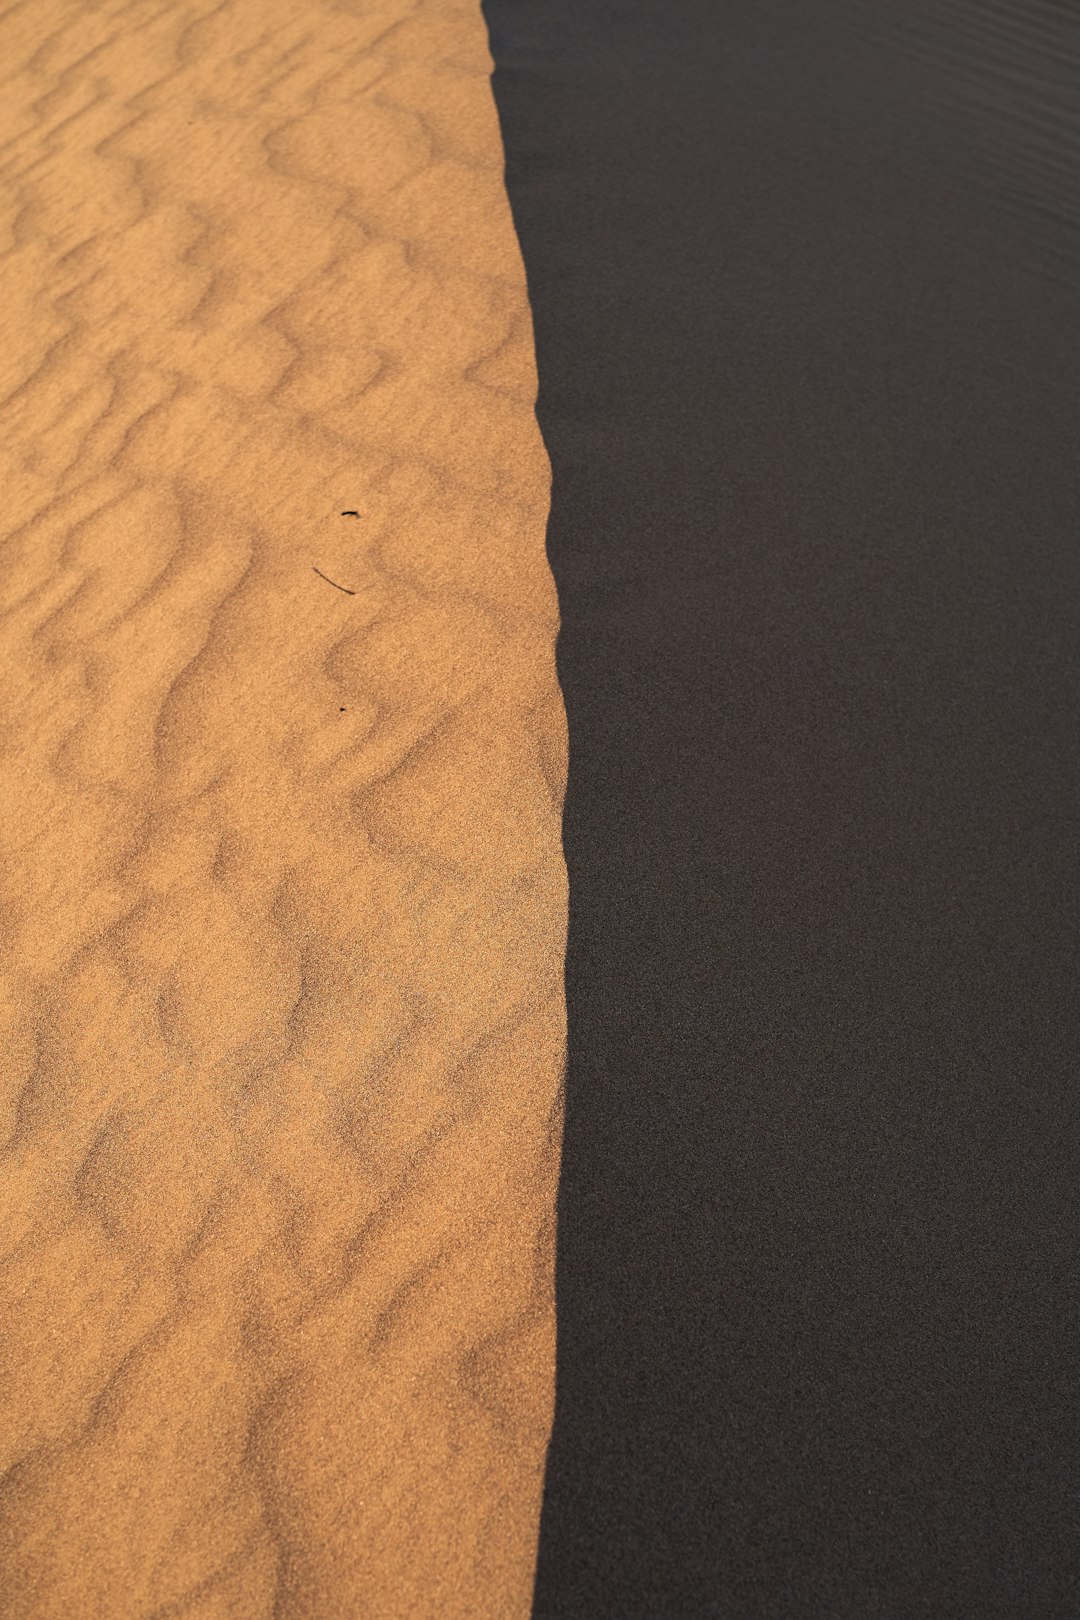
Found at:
<point>282,887</point>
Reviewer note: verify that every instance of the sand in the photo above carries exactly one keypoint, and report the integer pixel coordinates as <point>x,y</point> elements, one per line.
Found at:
<point>805,287</point>
<point>283,895</point>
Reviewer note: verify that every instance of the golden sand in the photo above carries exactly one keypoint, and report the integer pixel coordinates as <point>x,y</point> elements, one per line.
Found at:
<point>281,882</point>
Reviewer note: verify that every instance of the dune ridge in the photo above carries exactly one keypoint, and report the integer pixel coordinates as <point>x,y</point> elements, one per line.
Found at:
<point>282,884</point>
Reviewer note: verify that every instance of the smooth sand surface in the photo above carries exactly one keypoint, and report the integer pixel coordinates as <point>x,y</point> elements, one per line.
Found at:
<point>805,280</point>
<point>281,881</point>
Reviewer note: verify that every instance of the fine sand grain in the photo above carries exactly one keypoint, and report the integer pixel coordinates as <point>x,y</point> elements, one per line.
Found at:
<point>282,889</point>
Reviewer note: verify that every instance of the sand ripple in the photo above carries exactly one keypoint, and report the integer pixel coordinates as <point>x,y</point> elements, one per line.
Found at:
<point>281,879</point>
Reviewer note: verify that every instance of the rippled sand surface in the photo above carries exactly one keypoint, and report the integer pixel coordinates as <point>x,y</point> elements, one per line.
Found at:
<point>281,884</point>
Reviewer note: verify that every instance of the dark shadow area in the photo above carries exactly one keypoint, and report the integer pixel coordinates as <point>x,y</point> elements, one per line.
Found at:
<point>809,361</point>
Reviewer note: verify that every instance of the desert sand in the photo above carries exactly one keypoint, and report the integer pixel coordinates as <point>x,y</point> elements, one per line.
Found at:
<point>283,895</point>
<point>805,281</point>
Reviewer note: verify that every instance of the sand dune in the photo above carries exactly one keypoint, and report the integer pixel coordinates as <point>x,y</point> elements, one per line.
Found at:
<point>282,887</point>
<point>810,399</point>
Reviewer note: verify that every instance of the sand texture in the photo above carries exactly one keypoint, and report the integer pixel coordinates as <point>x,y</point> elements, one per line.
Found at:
<point>809,353</point>
<point>281,882</point>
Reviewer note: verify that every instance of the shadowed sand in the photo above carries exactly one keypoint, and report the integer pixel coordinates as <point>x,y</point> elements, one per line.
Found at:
<point>805,293</point>
<point>282,887</point>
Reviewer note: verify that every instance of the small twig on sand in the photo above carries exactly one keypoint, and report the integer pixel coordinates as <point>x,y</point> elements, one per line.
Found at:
<point>333,582</point>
